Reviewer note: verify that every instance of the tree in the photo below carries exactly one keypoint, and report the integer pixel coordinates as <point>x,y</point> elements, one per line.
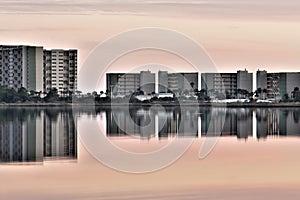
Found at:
<point>107,92</point>
<point>258,92</point>
<point>22,95</point>
<point>94,93</point>
<point>202,95</point>
<point>296,94</point>
<point>220,95</point>
<point>78,92</point>
<point>52,95</point>
<point>192,85</point>
<point>32,93</point>
<point>239,92</point>
<point>101,93</point>
<point>285,97</point>
<point>227,94</point>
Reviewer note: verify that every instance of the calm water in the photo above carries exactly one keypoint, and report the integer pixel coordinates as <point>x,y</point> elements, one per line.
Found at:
<point>256,157</point>
<point>35,135</point>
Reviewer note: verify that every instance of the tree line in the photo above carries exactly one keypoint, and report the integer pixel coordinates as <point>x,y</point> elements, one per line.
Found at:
<point>9,95</point>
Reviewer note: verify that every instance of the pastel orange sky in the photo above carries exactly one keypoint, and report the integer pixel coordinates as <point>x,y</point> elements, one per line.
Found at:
<point>237,34</point>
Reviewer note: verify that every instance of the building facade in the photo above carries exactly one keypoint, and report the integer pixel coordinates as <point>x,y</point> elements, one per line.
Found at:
<point>60,71</point>
<point>277,85</point>
<point>124,84</point>
<point>177,82</point>
<point>227,83</point>
<point>244,80</point>
<point>147,82</point>
<point>21,66</point>
<point>39,70</point>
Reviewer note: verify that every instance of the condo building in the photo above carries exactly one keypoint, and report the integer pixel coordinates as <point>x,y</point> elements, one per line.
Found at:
<point>177,82</point>
<point>60,71</point>
<point>37,69</point>
<point>127,83</point>
<point>21,66</point>
<point>227,83</point>
<point>277,85</point>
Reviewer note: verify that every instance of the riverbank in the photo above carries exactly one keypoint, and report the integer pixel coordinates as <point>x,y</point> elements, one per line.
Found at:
<point>165,104</point>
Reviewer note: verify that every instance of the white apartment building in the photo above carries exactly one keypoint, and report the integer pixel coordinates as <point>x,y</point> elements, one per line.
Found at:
<point>60,70</point>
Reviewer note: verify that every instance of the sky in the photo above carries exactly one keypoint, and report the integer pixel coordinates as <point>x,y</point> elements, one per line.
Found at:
<point>237,34</point>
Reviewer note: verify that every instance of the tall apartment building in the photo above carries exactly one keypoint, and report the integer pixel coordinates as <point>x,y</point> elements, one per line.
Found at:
<point>128,83</point>
<point>21,66</point>
<point>227,82</point>
<point>60,70</point>
<point>277,84</point>
<point>176,82</point>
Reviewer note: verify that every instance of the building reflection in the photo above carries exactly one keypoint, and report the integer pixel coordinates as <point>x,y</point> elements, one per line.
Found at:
<point>227,122</point>
<point>182,122</point>
<point>203,122</point>
<point>31,135</point>
<point>34,135</point>
<point>60,138</point>
<point>278,122</point>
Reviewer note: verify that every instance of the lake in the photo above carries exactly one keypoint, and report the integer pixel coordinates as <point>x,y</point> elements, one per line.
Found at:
<point>49,152</point>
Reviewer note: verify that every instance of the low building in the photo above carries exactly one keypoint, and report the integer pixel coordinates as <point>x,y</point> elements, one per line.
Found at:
<point>177,83</point>
<point>124,84</point>
<point>277,85</point>
<point>227,84</point>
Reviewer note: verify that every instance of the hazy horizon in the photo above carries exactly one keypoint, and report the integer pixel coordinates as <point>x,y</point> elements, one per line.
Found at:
<point>237,34</point>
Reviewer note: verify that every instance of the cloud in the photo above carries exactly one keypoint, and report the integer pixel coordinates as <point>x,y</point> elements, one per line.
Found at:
<point>240,8</point>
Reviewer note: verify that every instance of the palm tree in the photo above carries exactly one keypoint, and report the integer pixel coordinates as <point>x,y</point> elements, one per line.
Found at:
<point>94,93</point>
<point>296,94</point>
<point>101,93</point>
<point>192,84</point>
<point>107,92</point>
<point>265,91</point>
<point>78,92</point>
<point>238,92</point>
<point>258,92</point>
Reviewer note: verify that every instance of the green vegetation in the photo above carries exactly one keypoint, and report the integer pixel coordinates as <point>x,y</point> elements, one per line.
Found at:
<point>8,95</point>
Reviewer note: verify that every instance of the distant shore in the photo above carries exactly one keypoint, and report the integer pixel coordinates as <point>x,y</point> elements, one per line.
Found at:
<point>165,104</point>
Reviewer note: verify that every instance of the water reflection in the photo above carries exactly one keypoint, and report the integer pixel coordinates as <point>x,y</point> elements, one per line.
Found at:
<point>159,123</point>
<point>33,135</point>
<point>280,122</point>
<point>239,122</point>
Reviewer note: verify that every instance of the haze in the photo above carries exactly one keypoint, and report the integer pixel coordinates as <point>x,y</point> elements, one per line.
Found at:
<point>237,34</point>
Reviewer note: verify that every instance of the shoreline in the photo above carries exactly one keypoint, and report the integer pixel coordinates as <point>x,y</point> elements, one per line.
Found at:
<point>165,104</point>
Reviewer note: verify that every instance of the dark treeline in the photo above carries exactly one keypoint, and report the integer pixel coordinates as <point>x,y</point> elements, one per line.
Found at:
<point>8,95</point>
